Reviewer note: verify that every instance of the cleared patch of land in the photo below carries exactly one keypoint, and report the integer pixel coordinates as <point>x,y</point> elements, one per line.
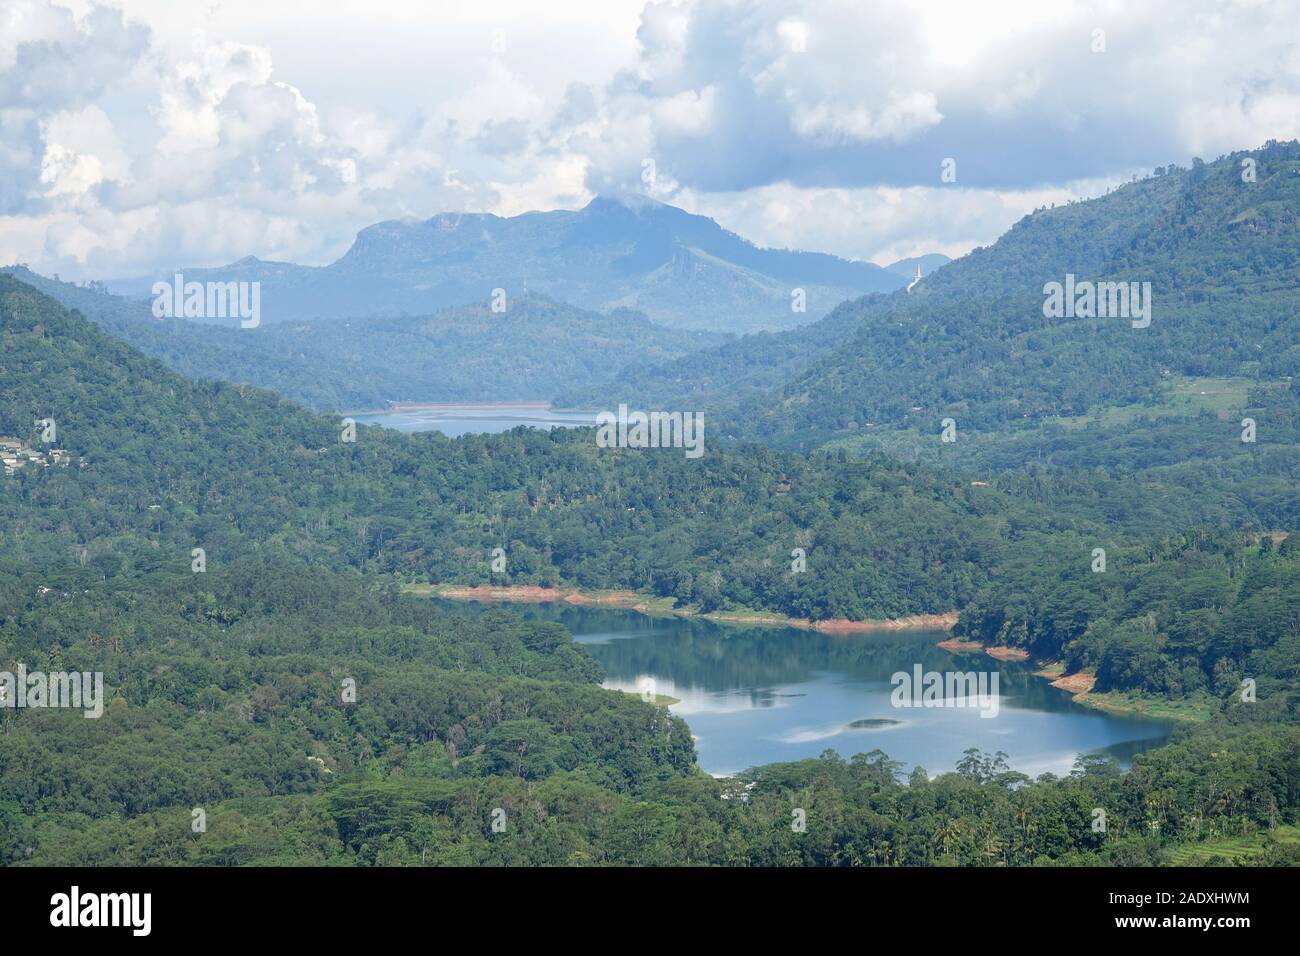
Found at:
<point>647,604</point>
<point>661,700</point>
<point>1194,709</point>
<point>1183,397</point>
<point>957,646</point>
<point>1237,849</point>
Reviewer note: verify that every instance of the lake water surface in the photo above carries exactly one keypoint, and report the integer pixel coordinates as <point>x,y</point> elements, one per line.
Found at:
<point>758,695</point>
<point>474,419</point>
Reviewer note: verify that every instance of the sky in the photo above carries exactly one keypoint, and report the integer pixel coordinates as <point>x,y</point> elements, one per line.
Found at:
<point>144,135</point>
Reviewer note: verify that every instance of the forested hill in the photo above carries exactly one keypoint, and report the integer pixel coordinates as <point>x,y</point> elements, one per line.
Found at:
<point>160,466</point>
<point>726,379</point>
<point>1191,615</point>
<point>464,353</point>
<point>680,269</point>
<point>228,690</point>
<point>971,342</point>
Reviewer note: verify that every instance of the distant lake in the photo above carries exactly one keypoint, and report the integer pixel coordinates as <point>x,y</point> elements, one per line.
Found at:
<point>761,695</point>
<point>474,419</point>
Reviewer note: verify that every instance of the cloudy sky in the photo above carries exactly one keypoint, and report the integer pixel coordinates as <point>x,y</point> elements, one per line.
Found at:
<point>144,134</point>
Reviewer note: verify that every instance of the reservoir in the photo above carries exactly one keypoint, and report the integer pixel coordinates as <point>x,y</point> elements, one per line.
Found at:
<point>757,695</point>
<point>474,419</point>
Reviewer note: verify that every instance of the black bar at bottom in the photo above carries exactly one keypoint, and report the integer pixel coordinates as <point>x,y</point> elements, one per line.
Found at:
<point>336,905</point>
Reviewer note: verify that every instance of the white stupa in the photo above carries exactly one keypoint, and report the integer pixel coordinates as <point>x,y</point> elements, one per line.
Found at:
<point>915,280</point>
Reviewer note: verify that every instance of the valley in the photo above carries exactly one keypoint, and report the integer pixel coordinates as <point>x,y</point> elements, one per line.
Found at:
<point>488,418</point>
<point>758,695</point>
<point>260,576</point>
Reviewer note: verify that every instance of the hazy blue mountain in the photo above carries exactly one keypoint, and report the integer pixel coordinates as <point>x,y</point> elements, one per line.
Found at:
<point>971,341</point>
<point>680,269</point>
<point>928,263</point>
<point>461,354</point>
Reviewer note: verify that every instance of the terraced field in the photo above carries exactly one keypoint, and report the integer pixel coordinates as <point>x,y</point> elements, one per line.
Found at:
<point>1234,849</point>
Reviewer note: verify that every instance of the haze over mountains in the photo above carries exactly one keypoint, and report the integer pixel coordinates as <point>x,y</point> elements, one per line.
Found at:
<point>680,269</point>
<point>462,353</point>
<point>406,315</point>
<point>225,684</point>
<point>971,342</point>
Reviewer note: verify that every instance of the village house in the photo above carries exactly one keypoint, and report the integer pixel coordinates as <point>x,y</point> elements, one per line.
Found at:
<point>15,453</point>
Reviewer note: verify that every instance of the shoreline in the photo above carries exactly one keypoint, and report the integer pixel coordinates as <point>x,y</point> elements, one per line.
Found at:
<point>644,604</point>
<point>1080,684</point>
<point>525,405</point>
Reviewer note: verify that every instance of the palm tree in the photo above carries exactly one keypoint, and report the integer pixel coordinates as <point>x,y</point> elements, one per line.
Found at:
<point>1023,817</point>
<point>992,846</point>
<point>948,835</point>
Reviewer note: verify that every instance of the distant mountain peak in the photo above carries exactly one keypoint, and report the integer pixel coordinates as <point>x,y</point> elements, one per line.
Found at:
<point>638,203</point>
<point>927,263</point>
<point>625,250</point>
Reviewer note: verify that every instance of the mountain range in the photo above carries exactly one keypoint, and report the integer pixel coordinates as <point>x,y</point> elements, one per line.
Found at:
<point>462,353</point>
<point>224,679</point>
<point>681,270</point>
<point>971,342</point>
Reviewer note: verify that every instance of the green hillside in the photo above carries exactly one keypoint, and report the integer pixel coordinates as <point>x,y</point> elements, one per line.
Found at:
<point>972,342</point>
<point>171,465</point>
<point>313,714</point>
<point>466,353</point>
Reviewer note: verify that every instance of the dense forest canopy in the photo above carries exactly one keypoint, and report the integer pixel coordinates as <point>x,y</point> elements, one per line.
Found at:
<point>172,465</point>
<point>233,564</point>
<point>227,697</point>
<point>971,341</point>
<point>468,353</point>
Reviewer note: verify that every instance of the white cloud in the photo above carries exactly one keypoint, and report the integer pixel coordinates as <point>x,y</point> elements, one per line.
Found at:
<point>879,223</point>
<point>163,134</point>
<point>191,92</point>
<point>689,113</point>
<point>88,133</point>
<point>897,119</point>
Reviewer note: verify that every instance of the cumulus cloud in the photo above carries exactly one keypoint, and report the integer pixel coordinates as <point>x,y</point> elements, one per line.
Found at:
<point>167,135</point>
<point>126,157</point>
<point>881,224</point>
<point>50,64</point>
<point>51,60</point>
<point>827,94</point>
